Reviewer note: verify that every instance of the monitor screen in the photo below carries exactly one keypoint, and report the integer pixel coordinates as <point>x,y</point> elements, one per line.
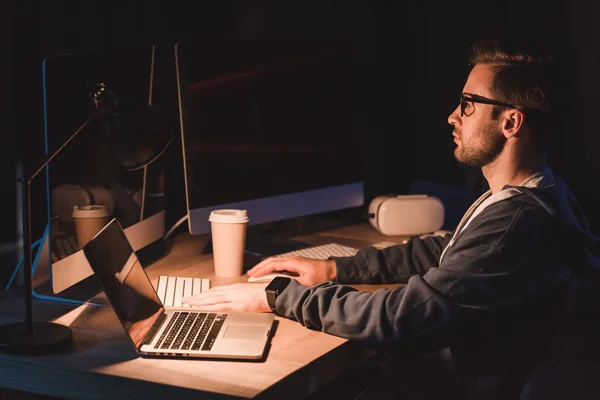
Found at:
<point>268,126</point>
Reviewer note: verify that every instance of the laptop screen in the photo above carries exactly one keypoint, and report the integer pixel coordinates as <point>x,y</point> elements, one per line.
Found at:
<point>124,280</point>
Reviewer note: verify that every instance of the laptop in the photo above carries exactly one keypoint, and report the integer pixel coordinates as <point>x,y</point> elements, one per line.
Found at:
<point>174,332</point>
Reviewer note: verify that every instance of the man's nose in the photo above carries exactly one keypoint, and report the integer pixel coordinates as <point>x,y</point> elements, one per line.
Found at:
<point>454,117</point>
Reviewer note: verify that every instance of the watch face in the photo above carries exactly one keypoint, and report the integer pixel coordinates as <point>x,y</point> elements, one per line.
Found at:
<point>278,284</point>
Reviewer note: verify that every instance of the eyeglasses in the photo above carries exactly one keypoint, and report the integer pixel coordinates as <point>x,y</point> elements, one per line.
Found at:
<point>465,103</point>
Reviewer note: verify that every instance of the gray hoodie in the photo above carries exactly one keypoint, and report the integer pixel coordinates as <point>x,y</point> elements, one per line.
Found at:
<point>491,299</point>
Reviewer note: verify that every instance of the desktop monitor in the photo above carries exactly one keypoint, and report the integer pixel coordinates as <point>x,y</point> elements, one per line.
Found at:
<point>268,126</point>
<point>88,169</point>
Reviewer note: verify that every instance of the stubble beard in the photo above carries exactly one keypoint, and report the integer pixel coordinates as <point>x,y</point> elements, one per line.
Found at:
<point>488,147</point>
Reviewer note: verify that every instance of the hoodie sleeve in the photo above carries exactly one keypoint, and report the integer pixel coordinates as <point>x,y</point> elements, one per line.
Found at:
<point>500,264</point>
<point>394,264</point>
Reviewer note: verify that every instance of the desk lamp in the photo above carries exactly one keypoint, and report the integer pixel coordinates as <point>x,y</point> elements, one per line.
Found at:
<point>135,149</point>
<point>136,133</point>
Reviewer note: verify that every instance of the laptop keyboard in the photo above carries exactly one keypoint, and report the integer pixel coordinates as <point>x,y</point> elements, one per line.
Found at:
<point>191,331</point>
<point>172,289</point>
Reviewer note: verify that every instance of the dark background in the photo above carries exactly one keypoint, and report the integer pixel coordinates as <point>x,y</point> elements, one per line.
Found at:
<point>413,53</point>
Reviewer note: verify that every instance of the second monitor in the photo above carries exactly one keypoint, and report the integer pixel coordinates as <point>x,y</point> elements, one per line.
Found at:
<point>268,126</point>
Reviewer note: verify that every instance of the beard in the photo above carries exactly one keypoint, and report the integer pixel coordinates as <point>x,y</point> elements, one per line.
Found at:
<point>487,147</point>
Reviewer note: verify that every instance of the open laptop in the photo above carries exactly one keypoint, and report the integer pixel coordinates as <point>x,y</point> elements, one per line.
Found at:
<point>174,332</point>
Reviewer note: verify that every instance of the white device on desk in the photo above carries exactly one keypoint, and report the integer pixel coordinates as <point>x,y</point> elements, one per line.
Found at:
<point>158,332</point>
<point>408,215</point>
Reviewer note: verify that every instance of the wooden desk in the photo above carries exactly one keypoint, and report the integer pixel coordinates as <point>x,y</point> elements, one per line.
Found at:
<point>104,364</point>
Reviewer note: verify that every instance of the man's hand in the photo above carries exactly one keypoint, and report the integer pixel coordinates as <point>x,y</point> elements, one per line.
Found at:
<point>241,297</point>
<point>310,272</point>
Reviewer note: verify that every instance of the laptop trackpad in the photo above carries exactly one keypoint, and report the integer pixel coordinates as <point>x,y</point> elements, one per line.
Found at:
<point>248,332</point>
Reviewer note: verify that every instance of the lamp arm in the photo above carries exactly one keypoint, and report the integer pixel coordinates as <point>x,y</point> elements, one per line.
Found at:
<point>50,156</point>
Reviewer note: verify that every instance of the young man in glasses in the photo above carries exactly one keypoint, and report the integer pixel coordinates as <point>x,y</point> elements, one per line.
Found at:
<point>490,291</point>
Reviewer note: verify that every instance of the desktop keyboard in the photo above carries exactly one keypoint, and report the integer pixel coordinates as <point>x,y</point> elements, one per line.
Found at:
<point>322,252</point>
<point>172,289</point>
<point>64,246</point>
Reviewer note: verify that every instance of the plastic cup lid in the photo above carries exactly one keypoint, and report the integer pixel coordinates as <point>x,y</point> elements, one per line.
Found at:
<point>229,216</point>
<point>93,211</point>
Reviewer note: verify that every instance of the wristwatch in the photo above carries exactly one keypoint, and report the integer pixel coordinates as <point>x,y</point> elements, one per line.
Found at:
<point>274,289</point>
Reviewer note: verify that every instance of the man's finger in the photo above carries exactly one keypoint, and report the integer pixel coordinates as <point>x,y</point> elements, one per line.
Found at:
<point>234,287</point>
<point>262,264</point>
<point>207,298</point>
<point>222,287</point>
<point>265,262</point>
<point>214,307</point>
<point>282,264</point>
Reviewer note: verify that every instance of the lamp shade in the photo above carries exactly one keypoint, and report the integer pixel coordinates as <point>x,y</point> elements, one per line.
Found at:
<point>137,133</point>
<point>137,136</point>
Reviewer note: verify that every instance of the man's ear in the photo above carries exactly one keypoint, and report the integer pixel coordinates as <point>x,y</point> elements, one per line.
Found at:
<point>512,122</point>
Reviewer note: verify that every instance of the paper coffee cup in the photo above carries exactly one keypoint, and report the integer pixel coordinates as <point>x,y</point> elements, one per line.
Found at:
<point>89,220</point>
<point>228,240</point>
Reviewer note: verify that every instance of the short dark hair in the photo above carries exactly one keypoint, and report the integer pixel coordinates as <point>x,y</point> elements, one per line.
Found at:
<point>526,76</point>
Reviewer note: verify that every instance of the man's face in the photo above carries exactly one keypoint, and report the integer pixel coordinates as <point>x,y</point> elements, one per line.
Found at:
<point>478,137</point>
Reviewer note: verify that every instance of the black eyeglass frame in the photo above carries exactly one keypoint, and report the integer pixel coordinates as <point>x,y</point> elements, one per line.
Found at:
<point>464,100</point>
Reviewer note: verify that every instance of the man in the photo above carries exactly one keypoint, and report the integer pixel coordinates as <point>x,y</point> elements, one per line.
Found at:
<point>489,291</point>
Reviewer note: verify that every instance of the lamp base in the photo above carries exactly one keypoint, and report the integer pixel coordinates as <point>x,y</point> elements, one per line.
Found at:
<point>45,338</point>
